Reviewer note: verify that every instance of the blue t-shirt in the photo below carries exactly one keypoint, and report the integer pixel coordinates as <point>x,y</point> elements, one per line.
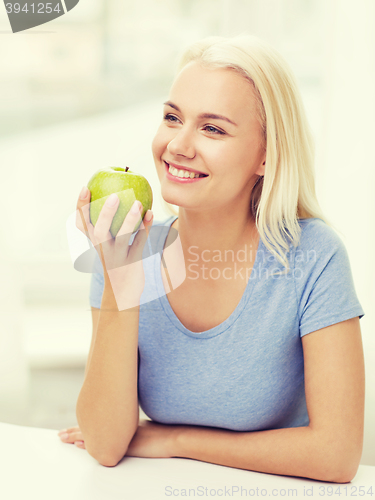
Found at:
<point>247,373</point>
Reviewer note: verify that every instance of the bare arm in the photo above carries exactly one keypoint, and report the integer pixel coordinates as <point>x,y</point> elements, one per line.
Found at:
<point>95,321</point>
<point>330,447</point>
<point>107,407</point>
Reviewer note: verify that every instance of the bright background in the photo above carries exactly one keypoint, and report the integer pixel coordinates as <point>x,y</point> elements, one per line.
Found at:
<point>85,91</point>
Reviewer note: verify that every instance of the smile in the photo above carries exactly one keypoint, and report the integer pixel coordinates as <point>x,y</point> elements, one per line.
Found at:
<point>182,176</point>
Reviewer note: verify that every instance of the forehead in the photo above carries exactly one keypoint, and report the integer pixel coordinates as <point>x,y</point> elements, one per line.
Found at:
<point>219,90</point>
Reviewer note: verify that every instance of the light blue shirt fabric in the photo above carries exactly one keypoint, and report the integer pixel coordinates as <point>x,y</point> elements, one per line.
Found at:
<point>247,373</point>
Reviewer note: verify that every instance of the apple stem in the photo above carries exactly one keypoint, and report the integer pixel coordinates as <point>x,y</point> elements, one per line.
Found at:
<point>126,169</point>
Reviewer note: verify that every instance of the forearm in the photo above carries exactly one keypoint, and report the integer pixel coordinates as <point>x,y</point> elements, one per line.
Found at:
<point>297,451</point>
<point>107,406</point>
<point>90,351</point>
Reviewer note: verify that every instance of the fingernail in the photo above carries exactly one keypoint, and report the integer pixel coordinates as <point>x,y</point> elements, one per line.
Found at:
<point>148,215</point>
<point>79,443</point>
<point>112,200</point>
<point>135,207</point>
<point>63,431</point>
<point>83,193</point>
<point>64,436</point>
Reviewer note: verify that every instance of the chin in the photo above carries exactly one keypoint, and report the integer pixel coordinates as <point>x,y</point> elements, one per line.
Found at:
<point>170,199</point>
<point>172,194</point>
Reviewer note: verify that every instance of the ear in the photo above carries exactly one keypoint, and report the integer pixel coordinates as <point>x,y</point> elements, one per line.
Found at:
<point>261,168</point>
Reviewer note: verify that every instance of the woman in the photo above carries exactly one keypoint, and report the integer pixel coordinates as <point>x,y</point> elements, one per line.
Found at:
<point>254,360</point>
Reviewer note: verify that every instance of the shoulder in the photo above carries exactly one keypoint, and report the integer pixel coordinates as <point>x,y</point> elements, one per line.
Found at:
<point>316,231</point>
<point>318,238</point>
<point>323,278</point>
<point>320,255</point>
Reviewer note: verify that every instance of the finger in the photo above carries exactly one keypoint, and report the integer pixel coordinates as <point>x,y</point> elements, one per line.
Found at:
<point>71,437</point>
<point>69,429</point>
<point>104,222</point>
<point>73,429</point>
<point>136,249</point>
<point>83,219</point>
<point>127,228</point>
<point>83,211</point>
<point>80,444</point>
<point>147,221</point>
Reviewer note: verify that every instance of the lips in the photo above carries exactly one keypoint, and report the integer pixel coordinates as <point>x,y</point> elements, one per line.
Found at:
<point>180,167</point>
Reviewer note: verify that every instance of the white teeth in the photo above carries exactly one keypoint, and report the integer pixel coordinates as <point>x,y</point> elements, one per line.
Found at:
<point>182,173</point>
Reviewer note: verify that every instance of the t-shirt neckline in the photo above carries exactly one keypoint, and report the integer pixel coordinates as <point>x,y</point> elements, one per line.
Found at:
<point>217,330</point>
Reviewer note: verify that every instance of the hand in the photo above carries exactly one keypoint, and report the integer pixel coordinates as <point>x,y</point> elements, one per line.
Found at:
<point>122,264</point>
<point>72,435</point>
<point>153,440</point>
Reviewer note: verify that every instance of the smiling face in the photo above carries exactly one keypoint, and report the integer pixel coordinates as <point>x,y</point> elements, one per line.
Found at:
<point>228,150</point>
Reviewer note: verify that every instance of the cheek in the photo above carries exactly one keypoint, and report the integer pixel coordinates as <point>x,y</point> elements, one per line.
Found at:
<point>240,157</point>
<point>222,158</point>
<point>159,144</point>
<point>156,146</point>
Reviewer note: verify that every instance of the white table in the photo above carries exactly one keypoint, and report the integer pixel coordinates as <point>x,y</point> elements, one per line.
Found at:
<point>35,464</point>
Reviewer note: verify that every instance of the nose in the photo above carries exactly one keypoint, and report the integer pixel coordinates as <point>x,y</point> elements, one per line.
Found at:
<point>182,144</point>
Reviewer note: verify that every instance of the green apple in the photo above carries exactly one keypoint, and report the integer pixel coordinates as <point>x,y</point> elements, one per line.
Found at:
<point>129,187</point>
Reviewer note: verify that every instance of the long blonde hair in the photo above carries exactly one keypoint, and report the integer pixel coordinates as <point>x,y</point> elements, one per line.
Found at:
<point>286,193</point>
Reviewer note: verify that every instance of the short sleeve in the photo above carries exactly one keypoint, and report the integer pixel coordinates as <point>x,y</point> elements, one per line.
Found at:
<point>329,294</point>
<point>97,284</point>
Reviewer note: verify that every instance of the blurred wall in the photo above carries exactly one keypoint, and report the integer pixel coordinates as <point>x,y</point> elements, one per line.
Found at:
<point>106,54</point>
<point>346,161</point>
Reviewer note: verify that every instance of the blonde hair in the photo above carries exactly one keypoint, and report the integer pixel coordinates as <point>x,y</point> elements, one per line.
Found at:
<point>286,193</point>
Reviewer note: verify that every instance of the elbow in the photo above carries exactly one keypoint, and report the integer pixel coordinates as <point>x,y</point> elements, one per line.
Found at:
<point>342,472</point>
<point>109,450</point>
<point>108,462</point>
<point>108,459</point>
<point>340,466</point>
<point>109,456</point>
<point>342,475</point>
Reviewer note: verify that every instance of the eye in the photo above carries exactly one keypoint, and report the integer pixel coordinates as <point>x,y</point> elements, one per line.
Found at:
<point>217,131</point>
<point>214,130</point>
<point>168,116</point>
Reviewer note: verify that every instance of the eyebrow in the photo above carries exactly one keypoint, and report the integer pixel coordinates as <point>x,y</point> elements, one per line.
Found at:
<point>213,116</point>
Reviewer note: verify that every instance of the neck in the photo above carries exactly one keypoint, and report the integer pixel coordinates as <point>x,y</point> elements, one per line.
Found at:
<point>214,232</point>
